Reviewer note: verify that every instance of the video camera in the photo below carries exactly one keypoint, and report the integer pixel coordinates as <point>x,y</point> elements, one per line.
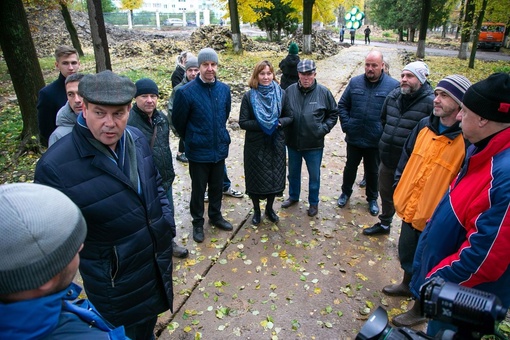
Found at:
<point>472,311</point>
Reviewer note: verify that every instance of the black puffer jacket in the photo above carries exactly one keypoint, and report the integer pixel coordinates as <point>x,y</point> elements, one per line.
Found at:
<point>126,261</point>
<point>400,114</point>
<point>315,114</point>
<point>264,155</point>
<point>289,70</point>
<point>161,145</point>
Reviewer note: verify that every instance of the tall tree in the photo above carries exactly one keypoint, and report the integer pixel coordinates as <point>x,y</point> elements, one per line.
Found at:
<point>70,27</point>
<point>307,26</point>
<point>18,47</point>
<point>131,5</point>
<point>99,39</point>
<point>479,22</point>
<point>425,11</point>
<point>467,25</point>
<point>234,26</point>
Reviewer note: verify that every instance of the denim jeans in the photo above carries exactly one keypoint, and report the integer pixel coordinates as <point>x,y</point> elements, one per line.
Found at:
<point>313,159</point>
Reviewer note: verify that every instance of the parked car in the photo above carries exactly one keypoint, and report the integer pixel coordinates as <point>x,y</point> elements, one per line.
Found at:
<point>173,22</point>
<point>191,23</point>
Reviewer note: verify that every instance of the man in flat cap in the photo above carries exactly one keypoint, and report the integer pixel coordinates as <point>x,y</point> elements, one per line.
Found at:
<point>315,114</point>
<point>467,239</point>
<point>108,171</point>
<point>403,108</point>
<point>200,112</point>
<point>42,233</point>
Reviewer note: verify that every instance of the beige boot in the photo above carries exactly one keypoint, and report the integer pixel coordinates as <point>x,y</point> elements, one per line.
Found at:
<point>410,318</point>
<point>401,289</point>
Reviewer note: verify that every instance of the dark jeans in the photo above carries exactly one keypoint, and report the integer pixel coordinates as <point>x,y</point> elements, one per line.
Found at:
<point>206,175</point>
<point>226,181</point>
<point>386,180</point>
<point>370,158</point>
<point>181,146</point>
<point>142,330</point>
<point>407,244</point>
<point>367,39</point>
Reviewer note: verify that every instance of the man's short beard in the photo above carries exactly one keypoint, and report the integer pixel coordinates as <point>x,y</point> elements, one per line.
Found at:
<point>405,90</point>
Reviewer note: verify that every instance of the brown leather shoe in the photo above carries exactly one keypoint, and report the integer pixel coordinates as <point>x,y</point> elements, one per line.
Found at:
<point>410,318</point>
<point>288,203</point>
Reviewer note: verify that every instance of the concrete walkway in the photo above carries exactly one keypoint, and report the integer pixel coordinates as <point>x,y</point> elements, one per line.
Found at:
<point>303,278</point>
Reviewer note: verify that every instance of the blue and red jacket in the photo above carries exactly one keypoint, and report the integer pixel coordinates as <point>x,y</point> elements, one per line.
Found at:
<point>467,240</point>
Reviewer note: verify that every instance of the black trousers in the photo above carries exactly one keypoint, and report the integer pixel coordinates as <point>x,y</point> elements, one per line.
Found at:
<point>407,244</point>
<point>370,158</point>
<point>206,175</point>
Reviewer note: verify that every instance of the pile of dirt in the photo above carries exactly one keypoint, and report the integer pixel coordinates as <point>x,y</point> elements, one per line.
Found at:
<point>322,43</point>
<point>48,31</point>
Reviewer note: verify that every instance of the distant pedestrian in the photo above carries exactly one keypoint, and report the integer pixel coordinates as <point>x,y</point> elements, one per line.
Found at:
<point>352,31</point>
<point>342,33</point>
<point>264,114</point>
<point>289,66</point>
<point>367,32</point>
<point>315,114</point>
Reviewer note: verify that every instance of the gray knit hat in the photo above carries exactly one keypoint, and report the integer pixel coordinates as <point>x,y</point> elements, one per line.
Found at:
<point>419,69</point>
<point>207,54</point>
<point>107,88</point>
<point>191,62</point>
<point>42,231</point>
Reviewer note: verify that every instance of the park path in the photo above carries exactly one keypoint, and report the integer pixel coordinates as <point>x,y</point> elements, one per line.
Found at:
<point>306,278</point>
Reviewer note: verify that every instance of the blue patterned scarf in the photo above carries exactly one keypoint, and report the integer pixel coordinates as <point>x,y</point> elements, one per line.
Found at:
<point>266,102</point>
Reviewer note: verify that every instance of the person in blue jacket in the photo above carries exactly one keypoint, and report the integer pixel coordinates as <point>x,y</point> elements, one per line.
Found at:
<point>108,170</point>
<point>200,113</point>
<point>42,233</point>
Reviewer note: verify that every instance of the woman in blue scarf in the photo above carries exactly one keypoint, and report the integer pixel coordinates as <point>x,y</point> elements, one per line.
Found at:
<point>264,114</point>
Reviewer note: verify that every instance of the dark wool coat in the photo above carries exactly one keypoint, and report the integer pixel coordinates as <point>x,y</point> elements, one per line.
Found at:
<point>177,75</point>
<point>158,127</point>
<point>400,114</point>
<point>126,261</point>
<point>289,70</point>
<point>264,155</point>
<point>51,98</point>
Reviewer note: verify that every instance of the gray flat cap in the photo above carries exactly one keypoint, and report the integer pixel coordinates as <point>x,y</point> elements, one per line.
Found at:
<point>107,88</point>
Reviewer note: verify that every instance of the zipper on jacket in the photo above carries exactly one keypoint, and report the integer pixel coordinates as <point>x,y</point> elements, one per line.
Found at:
<point>115,266</point>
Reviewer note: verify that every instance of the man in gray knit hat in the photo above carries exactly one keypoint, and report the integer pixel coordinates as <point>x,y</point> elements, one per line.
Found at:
<point>42,233</point>
<point>200,113</point>
<point>107,169</point>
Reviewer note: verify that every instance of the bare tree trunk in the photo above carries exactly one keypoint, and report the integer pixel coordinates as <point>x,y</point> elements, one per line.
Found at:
<point>18,47</point>
<point>475,37</point>
<point>467,24</point>
<point>71,29</point>
<point>99,39</point>
<point>307,26</point>
<point>426,6</point>
<point>234,26</point>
